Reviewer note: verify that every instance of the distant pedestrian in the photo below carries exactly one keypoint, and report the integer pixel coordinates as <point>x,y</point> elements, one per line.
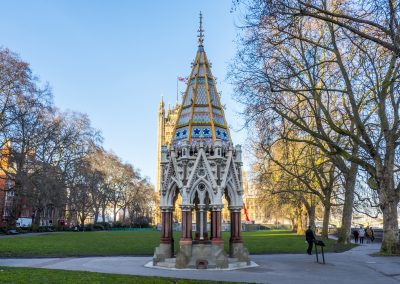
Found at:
<point>372,235</point>
<point>369,233</point>
<point>355,234</point>
<point>361,234</point>
<point>310,237</point>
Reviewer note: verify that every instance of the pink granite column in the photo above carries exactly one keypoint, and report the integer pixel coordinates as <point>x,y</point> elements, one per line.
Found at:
<point>216,225</point>
<point>186,237</point>
<point>166,226</point>
<point>236,226</point>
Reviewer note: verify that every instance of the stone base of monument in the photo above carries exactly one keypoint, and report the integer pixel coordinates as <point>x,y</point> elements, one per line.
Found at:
<point>203,255</point>
<point>240,252</point>
<point>162,253</point>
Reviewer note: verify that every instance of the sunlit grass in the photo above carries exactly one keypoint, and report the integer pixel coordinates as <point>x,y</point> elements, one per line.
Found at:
<point>140,243</point>
<point>39,276</point>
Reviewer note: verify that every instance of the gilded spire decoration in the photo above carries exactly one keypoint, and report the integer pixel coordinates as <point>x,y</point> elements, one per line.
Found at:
<point>200,30</point>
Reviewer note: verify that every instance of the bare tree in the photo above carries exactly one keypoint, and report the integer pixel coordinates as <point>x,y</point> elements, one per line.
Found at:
<point>345,79</point>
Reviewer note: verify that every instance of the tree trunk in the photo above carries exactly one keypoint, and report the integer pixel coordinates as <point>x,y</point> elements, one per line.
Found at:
<point>347,215</point>
<point>390,242</point>
<point>38,212</point>
<point>115,213</point>
<point>103,213</point>
<point>96,215</point>
<point>325,221</point>
<point>83,218</point>
<point>293,224</point>
<point>299,221</point>
<point>311,217</point>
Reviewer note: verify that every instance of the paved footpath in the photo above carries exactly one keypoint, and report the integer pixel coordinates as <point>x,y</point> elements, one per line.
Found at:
<point>354,266</point>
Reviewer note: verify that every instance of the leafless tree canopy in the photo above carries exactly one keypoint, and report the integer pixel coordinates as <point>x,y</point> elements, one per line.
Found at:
<point>326,74</point>
<point>54,158</point>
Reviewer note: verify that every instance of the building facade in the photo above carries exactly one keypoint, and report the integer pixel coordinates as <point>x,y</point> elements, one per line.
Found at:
<point>15,205</point>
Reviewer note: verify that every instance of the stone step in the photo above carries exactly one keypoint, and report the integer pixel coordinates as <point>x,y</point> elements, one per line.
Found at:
<point>166,264</point>
<point>239,264</point>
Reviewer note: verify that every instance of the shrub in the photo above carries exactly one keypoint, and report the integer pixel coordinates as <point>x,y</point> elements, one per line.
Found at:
<point>118,224</point>
<point>98,227</point>
<point>89,227</point>
<point>34,228</point>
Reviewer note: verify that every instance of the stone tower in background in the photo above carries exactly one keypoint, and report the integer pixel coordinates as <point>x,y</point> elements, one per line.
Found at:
<point>166,124</point>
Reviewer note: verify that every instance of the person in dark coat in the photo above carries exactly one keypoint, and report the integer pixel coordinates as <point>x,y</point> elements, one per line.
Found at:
<point>355,234</point>
<point>310,237</point>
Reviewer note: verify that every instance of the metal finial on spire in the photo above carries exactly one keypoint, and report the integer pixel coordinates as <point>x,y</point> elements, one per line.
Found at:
<point>200,30</point>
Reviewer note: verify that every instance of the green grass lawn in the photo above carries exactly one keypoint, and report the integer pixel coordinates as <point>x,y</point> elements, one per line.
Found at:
<point>103,243</point>
<point>38,275</point>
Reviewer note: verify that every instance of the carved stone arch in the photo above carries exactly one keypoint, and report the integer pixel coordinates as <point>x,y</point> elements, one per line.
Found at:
<point>208,188</point>
<point>201,163</point>
<point>172,193</point>
<point>232,193</point>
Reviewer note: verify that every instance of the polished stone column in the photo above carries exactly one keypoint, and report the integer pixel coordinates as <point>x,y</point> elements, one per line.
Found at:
<point>166,225</point>
<point>211,224</point>
<point>236,225</point>
<point>186,237</point>
<point>197,233</point>
<point>201,208</point>
<point>216,224</point>
<point>205,218</point>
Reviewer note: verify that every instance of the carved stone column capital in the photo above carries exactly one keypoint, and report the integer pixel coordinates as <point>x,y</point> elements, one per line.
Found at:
<point>235,208</point>
<point>216,207</point>
<point>187,207</point>
<point>166,208</point>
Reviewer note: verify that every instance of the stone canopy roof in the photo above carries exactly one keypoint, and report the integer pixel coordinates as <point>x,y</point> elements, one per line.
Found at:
<point>201,117</point>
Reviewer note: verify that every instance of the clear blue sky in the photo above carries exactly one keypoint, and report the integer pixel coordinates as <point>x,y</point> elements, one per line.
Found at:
<point>114,59</point>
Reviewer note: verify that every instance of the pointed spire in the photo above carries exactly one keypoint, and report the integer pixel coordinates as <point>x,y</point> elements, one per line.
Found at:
<point>162,102</point>
<point>200,30</point>
<point>201,118</point>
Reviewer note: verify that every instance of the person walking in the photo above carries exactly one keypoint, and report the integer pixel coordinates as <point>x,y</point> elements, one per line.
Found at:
<point>369,234</point>
<point>355,234</point>
<point>361,234</point>
<point>372,235</point>
<point>310,237</point>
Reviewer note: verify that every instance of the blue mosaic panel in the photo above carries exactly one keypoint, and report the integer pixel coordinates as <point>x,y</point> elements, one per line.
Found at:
<point>205,141</point>
<point>202,117</point>
<point>208,70</point>
<point>221,133</point>
<point>201,109</point>
<point>181,133</point>
<point>219,119</point>
<point>202,57</point>
<point>213,97</point>
<point>189,96</point>
<point>217,111</point>
<point>201,80</point>
<point>201,70</point>
<point>186,110</point>
<point>201,97</point>
<point>201,132</point>
<point>184,117</point>
<point>194,72</point>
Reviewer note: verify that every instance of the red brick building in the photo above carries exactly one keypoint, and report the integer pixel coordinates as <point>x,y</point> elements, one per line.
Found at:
<point>13,207</point>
